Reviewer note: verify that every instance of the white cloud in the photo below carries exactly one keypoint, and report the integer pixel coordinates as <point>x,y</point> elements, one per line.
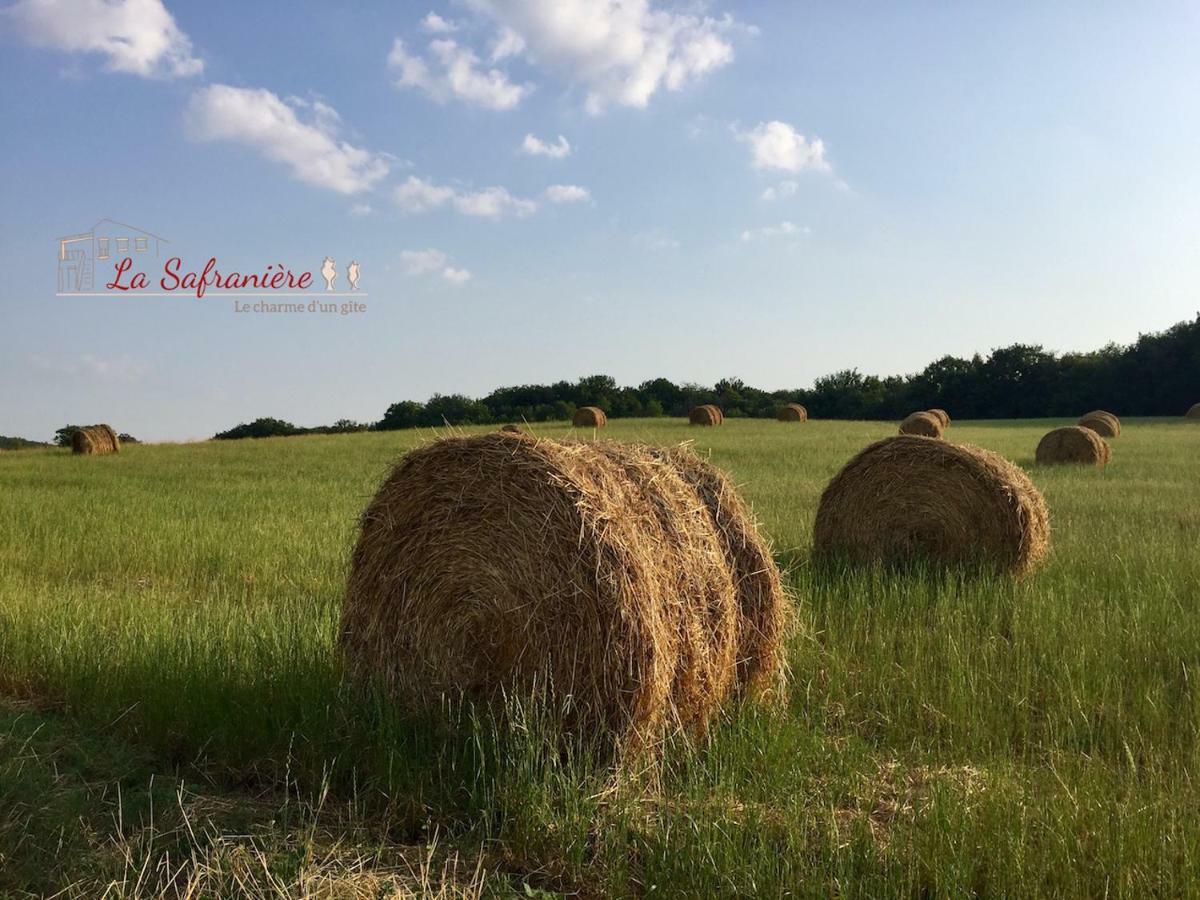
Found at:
<point>425,262</point>
<point>259,119</point>
<point>622,51</point>
<point>567,193</point>
<point>781,190</point>
<point>783,229</point>
<point>507,43</point>
<point>450,71</point>
<point>534,146</point>
<point>777,145</point>
<point>136,36</point>
<point>358,210</point>
<point>421,195</point>
<point>437,25</point>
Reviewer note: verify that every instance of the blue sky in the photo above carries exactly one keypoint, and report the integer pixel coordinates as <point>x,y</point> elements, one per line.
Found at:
<point>767,190</point>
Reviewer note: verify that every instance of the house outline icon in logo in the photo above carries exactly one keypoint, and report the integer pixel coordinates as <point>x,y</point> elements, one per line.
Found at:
<point>78,254</point>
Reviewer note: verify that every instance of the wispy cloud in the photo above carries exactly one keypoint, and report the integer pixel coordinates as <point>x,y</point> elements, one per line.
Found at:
<point>567,193</point>
<point>312,149</point>
<point>450,71</point>
<point>783,229</point>
<point>533,146</point>
<point>417,195</point>
<point>432,261</point>
<point>135,36</point>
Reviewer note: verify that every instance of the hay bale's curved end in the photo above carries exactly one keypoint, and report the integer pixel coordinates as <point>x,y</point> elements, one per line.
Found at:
<point>1103,423</point>
<point>1073,444</point>
<point>911,499</point>
<point>512,429</point>
<point>792,412</point>
<point>706,414</point>
<point>586,571</point>
<point>589,417</point>
<point>1193,413</point>
<point>765,616</point>
<point>95,440</point>
<point>922,423</point>
<point>941,415</point>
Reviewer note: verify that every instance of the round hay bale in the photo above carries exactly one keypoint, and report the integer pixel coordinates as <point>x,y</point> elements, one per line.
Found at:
<point>908,499</point>
<point>1193,413</point>
<point>941,415</point>
<point>764,616</point>
<point>1103,423</point>
<point>499,564</point>
<point>792,412</point>
<point>95,440</point>
<point>922,423</point>
<point>589,417</point>
<point>512,429</point>
<point>1073,444</point>
<point>706,415</point>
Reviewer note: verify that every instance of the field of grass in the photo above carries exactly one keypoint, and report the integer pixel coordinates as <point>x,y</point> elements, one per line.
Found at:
<point>172,717</point>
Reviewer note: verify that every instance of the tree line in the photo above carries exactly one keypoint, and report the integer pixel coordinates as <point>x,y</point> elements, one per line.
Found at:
<point>1157,375</point>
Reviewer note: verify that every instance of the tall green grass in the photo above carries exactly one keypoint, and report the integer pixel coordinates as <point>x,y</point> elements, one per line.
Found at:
<point>944,736</point>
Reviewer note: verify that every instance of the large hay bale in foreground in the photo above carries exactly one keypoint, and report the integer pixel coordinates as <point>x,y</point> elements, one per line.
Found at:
<point>911,499</point>
<point>706,414</point>
<point>764,615</point>
<point>792,412</point>
<point>941,415</point>
<point>1073,444</point>
<point>922,423</point>
<point>589,417</point>
<point>95,440</point>
<point>1193,413</point>
<point>502,564</point>
<point>1103,423</point>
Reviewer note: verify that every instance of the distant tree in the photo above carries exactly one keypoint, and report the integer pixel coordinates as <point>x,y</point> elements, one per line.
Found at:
<point>405,414</point>
<point>259,428</point>
<point>126,438</point>
<point>18,443</point>
<point>66,434</point>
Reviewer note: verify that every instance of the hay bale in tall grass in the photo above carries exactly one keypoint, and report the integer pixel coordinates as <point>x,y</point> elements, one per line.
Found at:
<point>589,417</point>
<point>941,415</point>
<point>913,499</point>
<point>1193,413</point>
<point>922,423</point>
<point>589,572</point>
<point>707,414</point>
<point>512,429</point>
<point>764,614</point>
<point>792,412</point>
<point>1103,423</point>
<point>95,440</point>
<point>1073,444</point>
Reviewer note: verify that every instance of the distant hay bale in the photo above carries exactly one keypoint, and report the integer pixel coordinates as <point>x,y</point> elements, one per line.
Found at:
<point>792,412</point>
<point>512,429</point>
<point>1193,413</point>
<point>589,417</point>
<point>706,414</point>
<point>911,499</point>
<point>95,440</point>
<point>941,415</point>
<point>589,572</point>
<point>922,423</point>
<point>1103,423</point>
<point>764,615</point>
<point>1073,444</point>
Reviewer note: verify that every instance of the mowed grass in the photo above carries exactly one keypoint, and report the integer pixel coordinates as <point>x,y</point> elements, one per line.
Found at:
<point>175,714</point>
